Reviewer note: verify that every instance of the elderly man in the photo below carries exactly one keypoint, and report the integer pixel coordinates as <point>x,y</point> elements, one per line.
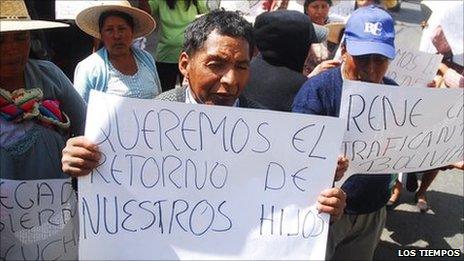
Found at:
<point>368,47</point>
<point>215,62</point>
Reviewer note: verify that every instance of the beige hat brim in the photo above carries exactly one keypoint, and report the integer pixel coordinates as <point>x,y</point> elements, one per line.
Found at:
<point>26,25</point>
<point>87,19</point>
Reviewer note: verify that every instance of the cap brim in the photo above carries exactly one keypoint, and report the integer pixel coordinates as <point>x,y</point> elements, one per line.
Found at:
<point>87,19</point>
<point>10,26</point>
<point>356,48</point>
<point>321,33</point>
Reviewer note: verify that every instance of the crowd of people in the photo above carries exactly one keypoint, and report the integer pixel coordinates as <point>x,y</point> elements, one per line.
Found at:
<point>284,61</point>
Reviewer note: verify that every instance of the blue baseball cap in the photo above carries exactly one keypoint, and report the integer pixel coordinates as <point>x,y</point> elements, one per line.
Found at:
<point>370,30</point>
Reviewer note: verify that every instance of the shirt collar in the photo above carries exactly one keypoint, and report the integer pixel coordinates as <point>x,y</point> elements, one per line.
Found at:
<point>191,100</point>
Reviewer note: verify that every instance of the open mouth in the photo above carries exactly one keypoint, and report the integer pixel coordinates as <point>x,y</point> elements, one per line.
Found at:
<point>223,99</point>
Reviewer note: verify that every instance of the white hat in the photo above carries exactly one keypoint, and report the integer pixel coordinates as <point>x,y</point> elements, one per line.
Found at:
<point>87,19</point>
<point>14,17</point>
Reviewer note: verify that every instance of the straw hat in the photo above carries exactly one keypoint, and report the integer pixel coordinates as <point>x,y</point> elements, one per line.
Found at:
<point>14,17</point>
<point>334,31</point>
<point>88,18</point>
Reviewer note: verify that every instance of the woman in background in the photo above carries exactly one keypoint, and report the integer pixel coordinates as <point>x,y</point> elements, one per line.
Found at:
<point>173,17</point>
<point>118,67</point>
<point>319,57</point>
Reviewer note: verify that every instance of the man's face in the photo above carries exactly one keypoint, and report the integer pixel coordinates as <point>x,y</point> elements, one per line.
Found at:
<point>218,72</point>
<point>365,68</point>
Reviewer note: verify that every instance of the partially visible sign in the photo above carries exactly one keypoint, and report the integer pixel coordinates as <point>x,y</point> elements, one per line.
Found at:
<point>413,68</point>
<point>341,10</point>
<point>68,9</point>
<point>450,17</point>
<point>391,129</point>
<point>38,220</point>
<point>246,7</point>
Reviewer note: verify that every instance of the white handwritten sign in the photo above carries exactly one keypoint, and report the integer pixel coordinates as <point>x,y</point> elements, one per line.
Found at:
<point>68,9</point>
<point>449,17</point>
<point>181,181</point>
<point>247,7</point>
<point>452,28</point>
<point>413,68</point>
<point>341,10</point>
<point>391,129</point>
<point>38,220</point>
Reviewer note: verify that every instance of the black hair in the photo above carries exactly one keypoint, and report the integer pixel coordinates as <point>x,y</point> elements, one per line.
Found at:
<point>307,2</point>
<point>227,23</point>
<point>172,3</point>
<point>126,17</point>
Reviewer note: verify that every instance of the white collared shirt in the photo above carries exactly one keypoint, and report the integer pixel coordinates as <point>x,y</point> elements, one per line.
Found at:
<point>191,100</point>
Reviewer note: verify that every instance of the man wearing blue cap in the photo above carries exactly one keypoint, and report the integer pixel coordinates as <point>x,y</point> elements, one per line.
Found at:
<point>366,52</point>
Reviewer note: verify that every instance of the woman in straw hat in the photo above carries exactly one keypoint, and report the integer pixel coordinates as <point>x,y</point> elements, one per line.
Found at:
<point>118,67</point>
<point>39,110</point>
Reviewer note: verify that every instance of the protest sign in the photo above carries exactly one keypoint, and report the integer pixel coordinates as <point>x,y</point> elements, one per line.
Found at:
<point>295,5</point>
<point>452,28</point>
<point>392,129</point>
<point>183,181</point>
<point>413,68</point>
<point>449,17</point>
<point>38,220</point>
<point>246,7</point>
<point>68,9</point>
<point>341,10</point>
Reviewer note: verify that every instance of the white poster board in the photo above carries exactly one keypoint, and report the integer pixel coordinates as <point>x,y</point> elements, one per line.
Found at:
<point>413,68</point>
<point>341,10</point>
<point>391,129</point>
<point>68,9</point>
<point>38,220</point>
<point>296,5</point>
<point>450,16</point>
<point>453,26</point>
<point>247,7</point>
<point>182,181</point>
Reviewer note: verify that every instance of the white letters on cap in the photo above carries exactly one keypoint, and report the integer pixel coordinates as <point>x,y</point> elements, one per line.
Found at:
<point>373,28</point>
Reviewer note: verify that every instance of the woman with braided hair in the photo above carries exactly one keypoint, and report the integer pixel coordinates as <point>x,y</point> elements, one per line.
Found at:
<point>39,111</point>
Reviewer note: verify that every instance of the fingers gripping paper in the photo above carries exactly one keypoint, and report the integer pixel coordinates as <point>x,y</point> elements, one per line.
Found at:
<point>180,181</point>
